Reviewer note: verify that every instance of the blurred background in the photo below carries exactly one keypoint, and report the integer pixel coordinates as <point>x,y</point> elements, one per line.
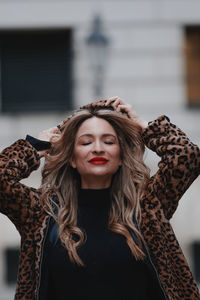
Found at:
<point>58,55</point>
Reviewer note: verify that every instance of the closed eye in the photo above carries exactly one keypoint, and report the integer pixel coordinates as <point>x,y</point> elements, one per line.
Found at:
<point>109,143</point>
<point>85,144</point>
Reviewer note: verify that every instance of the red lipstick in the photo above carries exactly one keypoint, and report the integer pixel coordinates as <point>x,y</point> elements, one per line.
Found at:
<point>98,160</point>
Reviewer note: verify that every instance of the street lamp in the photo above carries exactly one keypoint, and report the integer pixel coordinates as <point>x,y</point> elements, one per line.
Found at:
<point>97,44</point>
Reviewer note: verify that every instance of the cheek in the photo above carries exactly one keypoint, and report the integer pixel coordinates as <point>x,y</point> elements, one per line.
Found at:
<point>117,156</point>
<point>80,159</point>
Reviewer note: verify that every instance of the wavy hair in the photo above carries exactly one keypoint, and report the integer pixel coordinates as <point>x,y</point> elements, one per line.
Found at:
<point>127,185</point>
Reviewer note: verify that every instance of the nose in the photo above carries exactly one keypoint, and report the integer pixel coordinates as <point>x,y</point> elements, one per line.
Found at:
<point>98,147</point>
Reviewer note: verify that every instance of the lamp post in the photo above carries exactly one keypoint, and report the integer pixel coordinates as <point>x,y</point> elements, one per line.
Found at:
<point>97,44</point>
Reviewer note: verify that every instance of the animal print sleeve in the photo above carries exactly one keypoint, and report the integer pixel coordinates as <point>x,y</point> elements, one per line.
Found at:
<point>16,163</point>
<point>179,165</point>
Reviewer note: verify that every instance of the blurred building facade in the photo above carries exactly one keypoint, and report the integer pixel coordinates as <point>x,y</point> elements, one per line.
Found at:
<point>153,63</point>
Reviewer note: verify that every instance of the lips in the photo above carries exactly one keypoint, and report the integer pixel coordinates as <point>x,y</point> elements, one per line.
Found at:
<point>98,161</point>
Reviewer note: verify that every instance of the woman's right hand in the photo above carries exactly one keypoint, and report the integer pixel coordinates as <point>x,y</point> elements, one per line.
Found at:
<point>49,135</point>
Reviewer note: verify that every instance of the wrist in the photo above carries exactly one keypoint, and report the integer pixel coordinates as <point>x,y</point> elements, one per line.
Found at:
<point>38,144</point>
<point>141,122</point>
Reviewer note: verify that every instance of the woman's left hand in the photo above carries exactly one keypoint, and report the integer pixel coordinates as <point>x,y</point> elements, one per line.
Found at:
<point>120,106</point>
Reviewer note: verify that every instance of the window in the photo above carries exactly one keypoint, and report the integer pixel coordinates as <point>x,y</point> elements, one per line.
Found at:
<point>196,259</point>
<point>36,71</point>
<point>192,54</point>
<point>11,259</point>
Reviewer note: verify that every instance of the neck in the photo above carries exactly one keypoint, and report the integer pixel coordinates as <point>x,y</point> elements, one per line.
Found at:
<point>95,183</point>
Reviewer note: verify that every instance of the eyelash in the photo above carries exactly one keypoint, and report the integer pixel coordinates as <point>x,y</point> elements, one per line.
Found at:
<point>109,143</point>
<point>106,142</point>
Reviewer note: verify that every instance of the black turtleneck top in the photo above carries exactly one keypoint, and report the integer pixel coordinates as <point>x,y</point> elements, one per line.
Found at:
<point>110,271</point>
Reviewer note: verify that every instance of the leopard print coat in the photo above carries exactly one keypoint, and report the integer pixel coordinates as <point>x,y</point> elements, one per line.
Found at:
<point>178,168</point>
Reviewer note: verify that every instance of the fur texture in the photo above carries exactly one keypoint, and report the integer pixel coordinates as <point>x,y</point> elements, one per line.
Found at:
<point>178,168</point>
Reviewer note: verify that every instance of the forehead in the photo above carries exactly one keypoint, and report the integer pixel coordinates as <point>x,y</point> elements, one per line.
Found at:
<point>95,126</point>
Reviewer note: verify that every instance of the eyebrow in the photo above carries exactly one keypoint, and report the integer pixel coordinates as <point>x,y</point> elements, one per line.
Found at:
<point>104,135</point>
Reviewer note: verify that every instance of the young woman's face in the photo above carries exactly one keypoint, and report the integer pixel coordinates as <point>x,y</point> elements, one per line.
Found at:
<point>96,153</point>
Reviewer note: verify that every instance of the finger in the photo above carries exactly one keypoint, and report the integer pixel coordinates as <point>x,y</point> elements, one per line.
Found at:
<point>55,137</point>
<point>54,130</point>
<point>56,134</point>
<point>110,100</point>
<point>116,101</point>
<point>124,109</point>
<point>121,107</point>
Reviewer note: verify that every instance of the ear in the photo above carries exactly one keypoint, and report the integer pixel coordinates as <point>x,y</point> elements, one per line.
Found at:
<point>73,163</point>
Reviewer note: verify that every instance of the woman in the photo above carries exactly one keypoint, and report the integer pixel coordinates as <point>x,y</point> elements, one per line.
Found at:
<point>98,227</point>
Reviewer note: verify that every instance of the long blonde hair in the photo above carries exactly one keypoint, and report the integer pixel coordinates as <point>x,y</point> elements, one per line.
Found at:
<point>127,186</point>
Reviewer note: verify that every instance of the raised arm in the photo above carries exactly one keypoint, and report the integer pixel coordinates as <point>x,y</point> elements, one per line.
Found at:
<point>18,201</point>
<point>16,163</point>
<point>179,165</point>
